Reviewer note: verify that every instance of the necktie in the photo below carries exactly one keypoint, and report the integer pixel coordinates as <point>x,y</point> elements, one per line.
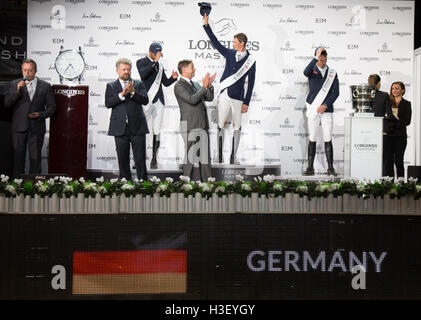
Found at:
<point>30,90</point>
<point>194,88</point>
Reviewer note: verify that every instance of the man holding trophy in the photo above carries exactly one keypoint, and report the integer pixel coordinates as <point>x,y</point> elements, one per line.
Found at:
<point>235,93</point>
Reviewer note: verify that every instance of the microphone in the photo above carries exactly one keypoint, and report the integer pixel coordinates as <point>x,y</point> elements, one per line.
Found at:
<point>25,78</point>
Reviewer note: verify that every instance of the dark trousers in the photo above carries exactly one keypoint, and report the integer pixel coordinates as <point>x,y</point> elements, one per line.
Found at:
<point>197,149</point>
<point>34,142</point>
<point>138,143</point>
<point>393,153</point>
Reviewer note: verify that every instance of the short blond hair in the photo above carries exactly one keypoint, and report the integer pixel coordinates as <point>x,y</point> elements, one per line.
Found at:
<point>123,61</point>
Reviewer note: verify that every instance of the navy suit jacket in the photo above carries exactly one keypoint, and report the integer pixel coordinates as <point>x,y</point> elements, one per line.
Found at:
<point>128,111</point>
<point>42,102</point>
<point>148,70</point>
<point>235,91</point>
<point>315,83</point>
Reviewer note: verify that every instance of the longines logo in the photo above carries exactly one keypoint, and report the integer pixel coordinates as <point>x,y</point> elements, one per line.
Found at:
<point>108,28</point>
<point>104,158</point>
<point>70,92</point>
<point>91,16</point>
<point>240,4</point>
<point>301,83</point>
<point>338,135</point>
<point>254,148</point>
<point>75,28</point>
<point>301,134</point>
<point>304,32</point>
<point>402,34</point>
<point>157,18</point>
<point>287,47</point>
<point>401,59</point>
<point>287,20</point>
<point>337,33</point>
<point>108,54</point>
<point>369,59</point>
<point>385,21</point>
<point>287,124</point>
<point>101,106</point>
<point>174,3</point>
<point>272,5</point>
<point>202,45</point>
<point>40,52</point>
<point>305,58</point>
<point>369,8</point>
<point>352,73</point>
<point>91,43</point>
<point>40,26</point>
<point>108,2</point>
<point>369,33</point>
<point>41,1</point>
<point>337,7</point>
<point>139,54</point>
<point>304,6</point>
<point>141,29</point>
<point>320,45</point>
<point>272,134</point>
<point>142,3</point>
<point>402,8</point>
<point>384,49</point>
<point>272,83</point>
<point>74,1</point>
<point>124,43</point>
<point>91,121</point>
<point>106,79</point>
<point>336,59</point>
<point>270,109</point>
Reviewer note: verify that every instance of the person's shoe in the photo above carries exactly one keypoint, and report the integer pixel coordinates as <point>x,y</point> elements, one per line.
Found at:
<point>154,164</point>
<point>309,172</point>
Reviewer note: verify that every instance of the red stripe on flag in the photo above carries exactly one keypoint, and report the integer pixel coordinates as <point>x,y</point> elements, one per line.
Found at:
<point>130,262</point>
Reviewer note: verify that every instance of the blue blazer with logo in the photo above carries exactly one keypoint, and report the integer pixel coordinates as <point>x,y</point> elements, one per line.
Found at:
<point>235,91</point>
<point>315,83</point>
<point>130,109</point>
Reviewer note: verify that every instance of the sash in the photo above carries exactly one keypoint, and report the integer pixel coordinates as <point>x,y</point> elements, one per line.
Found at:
<point>153,90</point>
<point>317,102</point>
<point>237,76</point>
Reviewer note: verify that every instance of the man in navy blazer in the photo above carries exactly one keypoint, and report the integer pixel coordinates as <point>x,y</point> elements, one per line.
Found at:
<point>323,92</point>
<point>128,122</point>
<point>233,98</point>
<point>149,69</point>
<point>32,101</point>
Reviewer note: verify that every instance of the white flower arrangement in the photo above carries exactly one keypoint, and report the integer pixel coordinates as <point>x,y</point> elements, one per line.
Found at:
<point>211,179</point>
<point>169,179</point>
<point>82,180</point>
<point>18,181</point>
<point>185,179</point>
<point>4,178</point>
<point>246,187</point>
<point>10,188</point>
<point>239,178</point>
<point>269,178</point>
<point>100,179</point>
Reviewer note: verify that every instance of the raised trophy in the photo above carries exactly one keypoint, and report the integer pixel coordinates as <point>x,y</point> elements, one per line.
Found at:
<point>363,98</point>
<point>205,8</point>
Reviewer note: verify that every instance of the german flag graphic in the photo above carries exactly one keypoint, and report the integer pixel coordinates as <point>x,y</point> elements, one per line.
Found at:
<point>145,270</point>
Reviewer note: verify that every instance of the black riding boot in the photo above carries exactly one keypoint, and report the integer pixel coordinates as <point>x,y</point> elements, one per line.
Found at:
<point>155,147</point>
<point>329,158</point>
<point>311,155</point>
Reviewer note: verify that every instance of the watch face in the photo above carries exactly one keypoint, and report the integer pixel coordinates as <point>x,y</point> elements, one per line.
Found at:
<point>70,64</point>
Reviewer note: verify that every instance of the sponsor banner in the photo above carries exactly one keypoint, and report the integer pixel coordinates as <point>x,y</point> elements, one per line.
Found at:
<point>283,44</point>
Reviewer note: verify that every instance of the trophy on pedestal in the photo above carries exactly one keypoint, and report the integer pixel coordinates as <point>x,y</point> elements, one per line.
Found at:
<point>363,98</point>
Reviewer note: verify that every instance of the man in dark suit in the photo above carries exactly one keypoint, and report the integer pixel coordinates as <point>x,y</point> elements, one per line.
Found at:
<point>382,107</point>
<point>127,122</point>
<point>194,123</point>
<point>152,73</point>
<point>32,101</point>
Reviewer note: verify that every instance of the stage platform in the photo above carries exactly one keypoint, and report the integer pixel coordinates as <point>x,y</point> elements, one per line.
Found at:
<point>221,172</point>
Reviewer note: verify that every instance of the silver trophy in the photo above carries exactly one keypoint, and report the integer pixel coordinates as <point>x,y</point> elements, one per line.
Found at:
<point>363,98</point>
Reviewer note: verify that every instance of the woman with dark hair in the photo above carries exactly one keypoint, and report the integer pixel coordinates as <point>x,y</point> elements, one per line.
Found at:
<point>396,137</point>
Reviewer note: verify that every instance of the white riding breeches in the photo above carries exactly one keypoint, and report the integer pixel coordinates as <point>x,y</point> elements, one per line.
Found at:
<point>227,105</point>
<point>326,120</point>
<point>154,114</point>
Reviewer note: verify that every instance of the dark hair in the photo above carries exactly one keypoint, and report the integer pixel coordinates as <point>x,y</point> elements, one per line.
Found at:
<point>30,61</point>
<point>373,79</point>
<point>241,37</point>
<point>392,97</point>
<point>323,53</point>
<point>182,64</point>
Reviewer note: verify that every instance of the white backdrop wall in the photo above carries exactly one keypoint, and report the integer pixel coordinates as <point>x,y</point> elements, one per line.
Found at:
<point>361,37</point>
